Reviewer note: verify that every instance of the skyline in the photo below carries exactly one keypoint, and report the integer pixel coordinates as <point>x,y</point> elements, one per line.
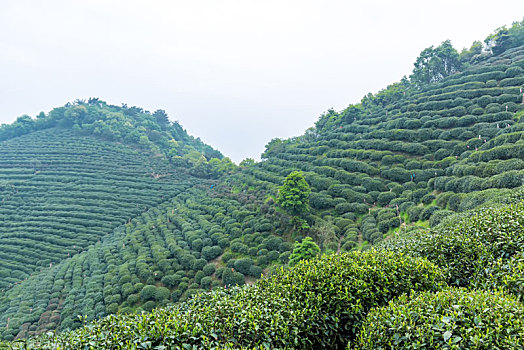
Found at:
<point>234,73</point>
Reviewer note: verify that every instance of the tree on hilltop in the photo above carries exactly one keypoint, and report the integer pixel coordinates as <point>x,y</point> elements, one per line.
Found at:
<point>434,64</point>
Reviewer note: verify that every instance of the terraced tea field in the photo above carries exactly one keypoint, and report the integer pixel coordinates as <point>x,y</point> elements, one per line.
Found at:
<point>61,192</point>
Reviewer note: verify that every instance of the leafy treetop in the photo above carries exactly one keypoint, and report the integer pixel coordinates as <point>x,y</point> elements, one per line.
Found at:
<point>131,125</point>
<point>434,64</point>
<point>506,38</point>
<point>293,196</point>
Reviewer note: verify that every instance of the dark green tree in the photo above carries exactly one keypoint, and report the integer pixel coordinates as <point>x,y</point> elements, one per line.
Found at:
<point>474,51</point>
<point>506,38</point>
<point>161,117</point>
<point>274,147</point>
<point>293,195</point>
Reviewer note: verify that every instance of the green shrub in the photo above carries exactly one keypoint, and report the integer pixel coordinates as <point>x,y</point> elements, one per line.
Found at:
<point>460,256</point>
<point>438,216</point>
<point>470,243</point>
<point>149,305</point>
<point>501,229</point>
<point>305,250</point>
<point>428,198</point>
<point>385,197</point>
<point>503,274</point>
<point>209,269</point>
<point>219,271</point>
<point>443,198</point>
<point>148,293</point>
<point>198,276</point>
<point>243,265</point>
<point>427,212</point>
<point>332,295</point>
<point>211,252</point>
<point>205,282</point>
<point>133,298</point>
<point>449,319</point>
<point>162,293</point>
<point>284,257</point>
<point>255,271</point>
<point>414,213</point>
<point>342,208</point>
<point>232,278</point>
<point>199,264</point>
<point>227,256</point>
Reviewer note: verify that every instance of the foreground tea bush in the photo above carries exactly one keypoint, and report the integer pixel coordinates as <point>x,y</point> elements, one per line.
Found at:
<point>317,304</point>
<point>503,274</point>
<point>334,293</point>
<point>468,247</point>
<point>449,319</point>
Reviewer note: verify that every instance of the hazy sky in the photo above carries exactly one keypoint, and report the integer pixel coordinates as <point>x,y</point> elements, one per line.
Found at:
<point>236,73</point>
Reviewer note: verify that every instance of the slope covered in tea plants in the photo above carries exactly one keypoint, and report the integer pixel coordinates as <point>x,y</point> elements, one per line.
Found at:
<point>352,300</point>
<point>409,153</point>
<point>62,192</point>
<point>108,209</point>
<point>313,305</point>
<point>196,241</point>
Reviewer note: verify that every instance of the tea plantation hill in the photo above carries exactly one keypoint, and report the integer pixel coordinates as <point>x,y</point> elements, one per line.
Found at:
<point>67,179</point>
<point>183,246</point>
<point>446,140</point>
<point>62,192</point>
<point>407,154</point>
<point>94,223</point>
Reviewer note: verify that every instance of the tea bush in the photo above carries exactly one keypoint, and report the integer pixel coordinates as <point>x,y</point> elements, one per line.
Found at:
<point>335,292</point>
<point>468,246</point>
<point>507,274</point>
<point>449,319</point>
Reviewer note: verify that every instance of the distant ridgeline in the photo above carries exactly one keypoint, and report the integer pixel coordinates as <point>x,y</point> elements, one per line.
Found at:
<point>108,209</point>
<point>131,125</point>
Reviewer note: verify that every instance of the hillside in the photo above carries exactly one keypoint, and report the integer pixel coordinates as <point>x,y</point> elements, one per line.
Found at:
<point>93,224</point>
<point>115,210</point>
<point>168,253</point>
<point>62,192</point>
<point>353,300</point>
<point>407,155</point>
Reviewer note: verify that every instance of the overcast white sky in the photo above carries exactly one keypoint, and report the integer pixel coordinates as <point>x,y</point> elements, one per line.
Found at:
<point>236,73</point>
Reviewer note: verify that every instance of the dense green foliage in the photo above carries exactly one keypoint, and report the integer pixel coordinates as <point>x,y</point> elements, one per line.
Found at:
<point>132,125</point>
<point>449,319</point>
<point>61,192</point>
<point>337,291</point>
<point>434,64</point>
<point>293,195</point>
<point>505,38</point>
<point>113,210</point>
<point>474,249</point>
<point>317,304</point>
<point>195,242</point>
<point>409,155</point>
<point>305,250</point>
